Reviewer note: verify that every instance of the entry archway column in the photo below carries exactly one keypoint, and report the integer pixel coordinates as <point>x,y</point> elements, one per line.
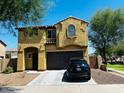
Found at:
<point>86,56</point>
<point>21,61</point>
<point>41,60</point>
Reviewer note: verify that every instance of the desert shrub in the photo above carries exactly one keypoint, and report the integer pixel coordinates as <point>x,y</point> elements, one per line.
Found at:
<point>103,67</point>
<point>8,55</point>
<point>8,70</point>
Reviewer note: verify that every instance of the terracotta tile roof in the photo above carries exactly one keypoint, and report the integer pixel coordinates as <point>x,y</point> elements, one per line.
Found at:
<point>51,26</point>
<point>37,27</point>
<point>73,18</point>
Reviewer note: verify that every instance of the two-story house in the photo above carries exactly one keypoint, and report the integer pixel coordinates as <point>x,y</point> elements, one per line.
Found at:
<point>51,47</point>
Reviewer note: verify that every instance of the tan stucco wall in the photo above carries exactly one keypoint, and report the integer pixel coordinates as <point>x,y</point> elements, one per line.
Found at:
<point>81,33</point>
<point>21,62</point>
<point>66,48</point>
<point>86,56</point>
<point>38,43</point>
<point>42,60</point>
<point>2,50</point>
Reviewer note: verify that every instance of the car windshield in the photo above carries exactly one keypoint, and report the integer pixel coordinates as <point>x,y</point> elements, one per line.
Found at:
<point>74,62</point>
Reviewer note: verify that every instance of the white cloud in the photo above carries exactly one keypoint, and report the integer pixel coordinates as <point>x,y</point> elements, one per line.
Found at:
<point>51,4</point>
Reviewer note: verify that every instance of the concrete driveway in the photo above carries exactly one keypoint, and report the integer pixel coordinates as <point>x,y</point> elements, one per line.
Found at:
<point>56,77</point>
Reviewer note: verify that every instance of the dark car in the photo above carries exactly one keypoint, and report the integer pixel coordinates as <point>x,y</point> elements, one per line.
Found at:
<point>78,68</point>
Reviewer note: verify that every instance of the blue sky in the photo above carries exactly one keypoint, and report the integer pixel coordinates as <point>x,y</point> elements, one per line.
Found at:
<point>61,9</point>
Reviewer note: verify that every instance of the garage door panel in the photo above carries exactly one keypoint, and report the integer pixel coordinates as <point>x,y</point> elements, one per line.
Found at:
<point>59,60</point>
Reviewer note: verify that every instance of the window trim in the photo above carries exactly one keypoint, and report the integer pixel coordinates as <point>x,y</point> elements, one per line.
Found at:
<point>51,36</point>
<point>70,36</point>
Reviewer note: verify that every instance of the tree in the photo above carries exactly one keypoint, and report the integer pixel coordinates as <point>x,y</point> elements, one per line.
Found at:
<point>118,50</point>
<point>15,12</point>
<point>107,28</point>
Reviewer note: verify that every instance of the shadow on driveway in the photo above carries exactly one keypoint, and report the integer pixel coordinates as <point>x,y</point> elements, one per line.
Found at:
<point>76,80</point>
<point>10,89</point>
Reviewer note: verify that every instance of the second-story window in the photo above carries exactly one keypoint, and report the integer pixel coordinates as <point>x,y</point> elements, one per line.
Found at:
<point>71,31</point>
<point>51,37</point>
<point>51,33</point>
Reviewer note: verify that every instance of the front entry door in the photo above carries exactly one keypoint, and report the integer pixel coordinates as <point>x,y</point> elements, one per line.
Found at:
<point>35,61</point>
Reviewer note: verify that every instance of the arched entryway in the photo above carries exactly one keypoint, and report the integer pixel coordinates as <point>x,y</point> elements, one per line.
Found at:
<point>31,58</point>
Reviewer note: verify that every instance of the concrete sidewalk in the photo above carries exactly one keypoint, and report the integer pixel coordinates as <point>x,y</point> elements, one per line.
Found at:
<point>65,89</point>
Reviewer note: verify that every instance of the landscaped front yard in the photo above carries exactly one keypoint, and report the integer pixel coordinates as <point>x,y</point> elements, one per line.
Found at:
<point>16,79</point>
<point>119,67</point>
<point>106,77</point>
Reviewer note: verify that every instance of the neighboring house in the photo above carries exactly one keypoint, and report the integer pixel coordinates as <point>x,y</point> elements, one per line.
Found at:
<point>12,52</point>
<point>2,49</point>
<point>51,47</point>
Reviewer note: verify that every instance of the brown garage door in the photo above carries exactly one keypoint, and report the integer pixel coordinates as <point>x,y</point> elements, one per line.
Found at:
<point>59,60</point>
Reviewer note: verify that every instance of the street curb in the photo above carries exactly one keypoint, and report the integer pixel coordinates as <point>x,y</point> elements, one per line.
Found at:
<point>113,70</point>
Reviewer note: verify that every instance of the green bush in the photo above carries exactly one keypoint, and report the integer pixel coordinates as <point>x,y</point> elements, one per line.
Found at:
<point>8,70</point>
<point>8,55</point>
